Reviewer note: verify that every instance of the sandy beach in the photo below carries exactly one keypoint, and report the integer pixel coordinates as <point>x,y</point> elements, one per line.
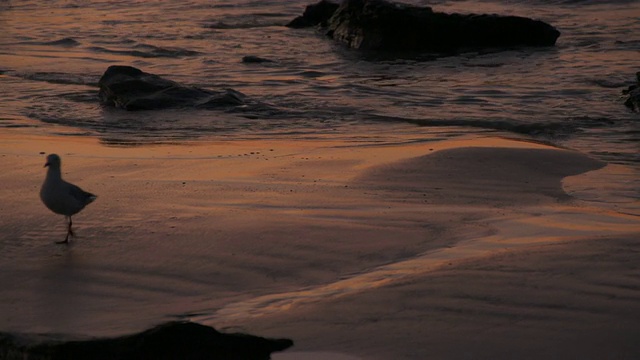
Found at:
<point>471,248</point>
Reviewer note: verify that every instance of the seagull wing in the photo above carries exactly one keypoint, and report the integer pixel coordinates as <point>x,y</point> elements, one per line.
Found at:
<point>80,195</point>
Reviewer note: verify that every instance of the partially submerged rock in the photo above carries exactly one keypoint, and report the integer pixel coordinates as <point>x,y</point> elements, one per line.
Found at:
<point>387,26</point>
<point>130,88</point>
<point>315,14</point>
<point>173,340</point>
<point>633,95</point>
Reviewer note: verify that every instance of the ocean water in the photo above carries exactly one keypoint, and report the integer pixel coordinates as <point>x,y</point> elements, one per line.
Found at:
<point>52,54</point>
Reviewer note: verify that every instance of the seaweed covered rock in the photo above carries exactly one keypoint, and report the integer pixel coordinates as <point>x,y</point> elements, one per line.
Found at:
<point>130,88</point>
<point>169,341</point>
<point>387,26</point>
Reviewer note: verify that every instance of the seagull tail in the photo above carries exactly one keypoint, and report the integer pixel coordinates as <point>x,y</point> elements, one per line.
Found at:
<point>91,198</point>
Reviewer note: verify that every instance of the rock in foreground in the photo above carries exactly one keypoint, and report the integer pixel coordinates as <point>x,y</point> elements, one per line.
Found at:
<point>387,26</point>
<point>169,341</point>
<point>130,88</point>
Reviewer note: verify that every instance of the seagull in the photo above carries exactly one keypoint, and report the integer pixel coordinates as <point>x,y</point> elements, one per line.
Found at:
<point>62,197</point>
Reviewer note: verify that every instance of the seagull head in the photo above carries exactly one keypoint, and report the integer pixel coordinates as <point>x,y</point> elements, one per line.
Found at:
<point>53,160</point>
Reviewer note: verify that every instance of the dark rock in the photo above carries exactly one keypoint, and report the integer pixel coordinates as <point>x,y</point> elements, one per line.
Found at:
<point>173,340</point>
<point>254,59</point>
<point>387,26</point>
<point>314,14</point>
<point>633,93</point>
<point>130,88</point>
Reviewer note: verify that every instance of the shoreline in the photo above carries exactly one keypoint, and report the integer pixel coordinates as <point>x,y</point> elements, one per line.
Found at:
<point>344,237</point>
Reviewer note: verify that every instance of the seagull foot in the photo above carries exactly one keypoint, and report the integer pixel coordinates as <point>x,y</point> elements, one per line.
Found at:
<point>66,239</point>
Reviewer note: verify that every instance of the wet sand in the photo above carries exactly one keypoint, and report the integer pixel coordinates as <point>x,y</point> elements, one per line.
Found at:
<point>471,248</point>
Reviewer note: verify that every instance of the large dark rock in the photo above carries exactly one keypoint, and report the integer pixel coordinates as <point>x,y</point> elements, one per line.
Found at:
<point>173,340</point>
<point>633,95</point>
<point>387,26</point>
<point>314,14</point>
<point>130,88</point>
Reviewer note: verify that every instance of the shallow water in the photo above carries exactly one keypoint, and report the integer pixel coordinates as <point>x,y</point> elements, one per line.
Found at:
<point>53,53</point>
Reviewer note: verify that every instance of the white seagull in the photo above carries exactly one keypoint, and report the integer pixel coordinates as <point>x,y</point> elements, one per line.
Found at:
<point>62,197</point>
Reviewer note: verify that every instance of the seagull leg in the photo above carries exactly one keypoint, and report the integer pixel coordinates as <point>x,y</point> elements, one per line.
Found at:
<point>69,233</point>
